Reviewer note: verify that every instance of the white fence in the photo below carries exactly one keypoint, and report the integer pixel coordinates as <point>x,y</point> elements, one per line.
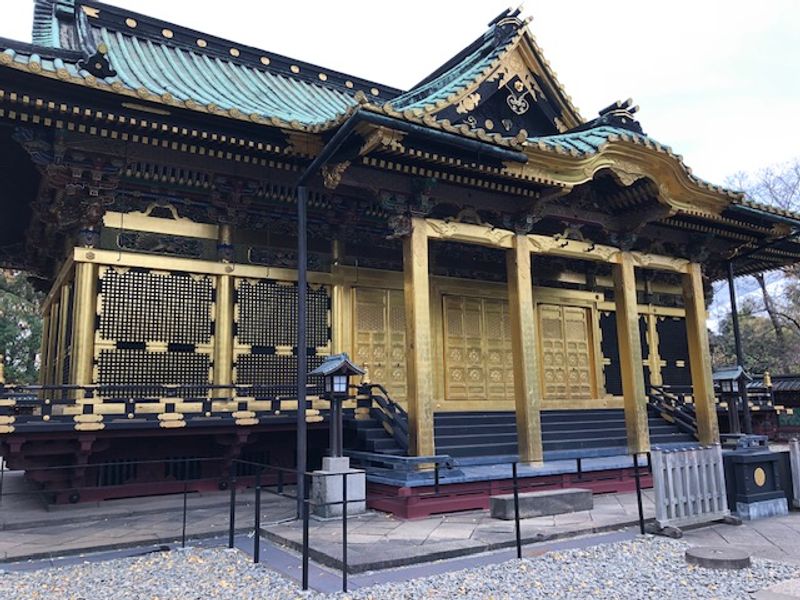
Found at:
<point>689,486</point>
<point>794,453</point>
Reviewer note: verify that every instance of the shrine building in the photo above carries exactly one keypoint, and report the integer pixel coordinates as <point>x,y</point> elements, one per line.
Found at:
<point>517,279</point>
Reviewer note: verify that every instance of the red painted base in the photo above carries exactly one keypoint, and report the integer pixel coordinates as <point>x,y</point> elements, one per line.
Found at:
<point>421,502</point>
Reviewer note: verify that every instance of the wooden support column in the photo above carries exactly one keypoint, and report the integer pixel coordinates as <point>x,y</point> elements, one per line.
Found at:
<point>419,358</point>
<point>527,387</point>
<point>630,355</point>
<point>44,348</point>
<point>223,317</point>
<point>700,355</point>
<point>341,311</point>
<point>84,316</point>
<point>52,343</point>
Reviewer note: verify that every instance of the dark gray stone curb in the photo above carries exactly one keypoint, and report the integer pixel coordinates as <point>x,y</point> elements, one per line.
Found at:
<point>718,557</point>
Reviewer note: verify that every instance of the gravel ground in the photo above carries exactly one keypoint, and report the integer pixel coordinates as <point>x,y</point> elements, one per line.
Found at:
<point>643,568</point>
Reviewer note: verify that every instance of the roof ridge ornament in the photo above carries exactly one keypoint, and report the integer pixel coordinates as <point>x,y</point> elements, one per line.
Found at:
<point>95,60</point>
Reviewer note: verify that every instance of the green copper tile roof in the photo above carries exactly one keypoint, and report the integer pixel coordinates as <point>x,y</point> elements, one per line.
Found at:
<point>465,70</point>
<point>192,76</point>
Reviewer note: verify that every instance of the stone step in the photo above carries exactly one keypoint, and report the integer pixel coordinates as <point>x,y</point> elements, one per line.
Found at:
<point>541,504</point>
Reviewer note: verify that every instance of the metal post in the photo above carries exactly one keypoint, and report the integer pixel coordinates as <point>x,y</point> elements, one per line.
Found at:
<point>518,533</point>
<point>579,462</point>
<point>304,501</point>
<point>302,350</point>
<point>183,530</point>
<point>436,478</point>
<point>737,339</point>
<point>280,482</point>
<point>257,521</point>
<point>336,428</point>
<point>344,532</point>
<point>232,519</point>
<point>638,492</point>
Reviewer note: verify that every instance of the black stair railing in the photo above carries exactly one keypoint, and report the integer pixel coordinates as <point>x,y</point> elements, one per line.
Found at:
<point>670,402</point>
<point>392,417</point>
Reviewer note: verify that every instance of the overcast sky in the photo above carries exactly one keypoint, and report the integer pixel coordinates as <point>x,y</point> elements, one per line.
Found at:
<point>716,80</point>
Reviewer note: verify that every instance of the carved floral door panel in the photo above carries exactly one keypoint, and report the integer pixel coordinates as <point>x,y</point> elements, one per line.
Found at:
<point>567,352</point>
<point>380,338</point>
<point>477,342</point>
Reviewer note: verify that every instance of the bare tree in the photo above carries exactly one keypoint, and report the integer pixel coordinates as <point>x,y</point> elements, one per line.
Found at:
<point>778,186</point>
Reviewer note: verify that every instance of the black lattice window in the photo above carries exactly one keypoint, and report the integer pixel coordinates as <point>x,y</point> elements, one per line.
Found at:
<point>268,315</point>
<point>138,305</point>
<point>273,370</point>
<point>673,347</point>
<point>140,368</point>
<point>610,349</point>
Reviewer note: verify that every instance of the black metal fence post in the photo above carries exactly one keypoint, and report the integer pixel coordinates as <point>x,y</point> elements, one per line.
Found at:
<point>232,519</point>
<point>436,478</point>
<point>280,482</point>
<point>579,464</point>
<point>344,532</point>
<point>518,533</point>
<point>305,534</point>
<point>183,530</point>
<point>257,521</point>
<point>638,491</point>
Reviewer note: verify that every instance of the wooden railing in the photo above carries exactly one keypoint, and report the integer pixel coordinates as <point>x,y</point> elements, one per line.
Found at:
<point>389,413</point>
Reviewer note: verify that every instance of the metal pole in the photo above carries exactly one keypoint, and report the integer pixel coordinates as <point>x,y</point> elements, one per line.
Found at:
<point>579,463</point>
<point>232,518</point>
<point>302,356</point>
<point>183,531</point>
<point>305,540</point>
<point>344,532</point>
<point>638,492</point>
<point>436,478</point>
<point>737,340</point>
<point>257,521</point>
<point>518,533</point>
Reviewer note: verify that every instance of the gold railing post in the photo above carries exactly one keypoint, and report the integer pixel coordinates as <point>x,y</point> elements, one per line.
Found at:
<point>83,324</point>
<point>630,355</point>
<point>223,318</point>
<point>527,387</point>
<point>416,286</point>
<point>700,355</point>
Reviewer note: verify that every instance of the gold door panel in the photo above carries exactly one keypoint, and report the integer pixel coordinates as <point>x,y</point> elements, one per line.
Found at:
<point>567,352</point>
<point>477,342</point>
<point>379,338</point>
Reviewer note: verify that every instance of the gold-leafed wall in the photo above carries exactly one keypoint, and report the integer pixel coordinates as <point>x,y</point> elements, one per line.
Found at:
<point>477,350</point>
<point>379,338</point>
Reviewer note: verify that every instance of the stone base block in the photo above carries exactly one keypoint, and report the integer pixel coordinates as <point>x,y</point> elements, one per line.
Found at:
<point>327,485</point>
<point>541,504</point>
<point>763,509</point>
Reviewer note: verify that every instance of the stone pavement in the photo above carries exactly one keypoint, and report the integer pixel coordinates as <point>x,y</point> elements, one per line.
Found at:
<point>30,528</point>
<point>380,541</point>
<point>776,538</point>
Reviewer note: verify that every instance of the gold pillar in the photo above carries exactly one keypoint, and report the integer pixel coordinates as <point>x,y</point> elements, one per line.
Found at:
<point>341,328</point>
<point>44,348</point>
<point>63,317</point>
<point>223,319</point>
<point>52,344</point>
<point>525,352</point>
<point>700,356</point>
<point>84,314</point>
<point>418,339</point>
<point>630,355</point>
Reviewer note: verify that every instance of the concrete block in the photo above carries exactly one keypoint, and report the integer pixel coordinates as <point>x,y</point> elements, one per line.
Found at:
<point>327,485</point>
<point>762,509</point>
<point>540,504</point>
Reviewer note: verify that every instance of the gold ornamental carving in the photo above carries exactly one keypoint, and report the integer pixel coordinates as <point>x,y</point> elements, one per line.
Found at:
<point>332,174</point>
